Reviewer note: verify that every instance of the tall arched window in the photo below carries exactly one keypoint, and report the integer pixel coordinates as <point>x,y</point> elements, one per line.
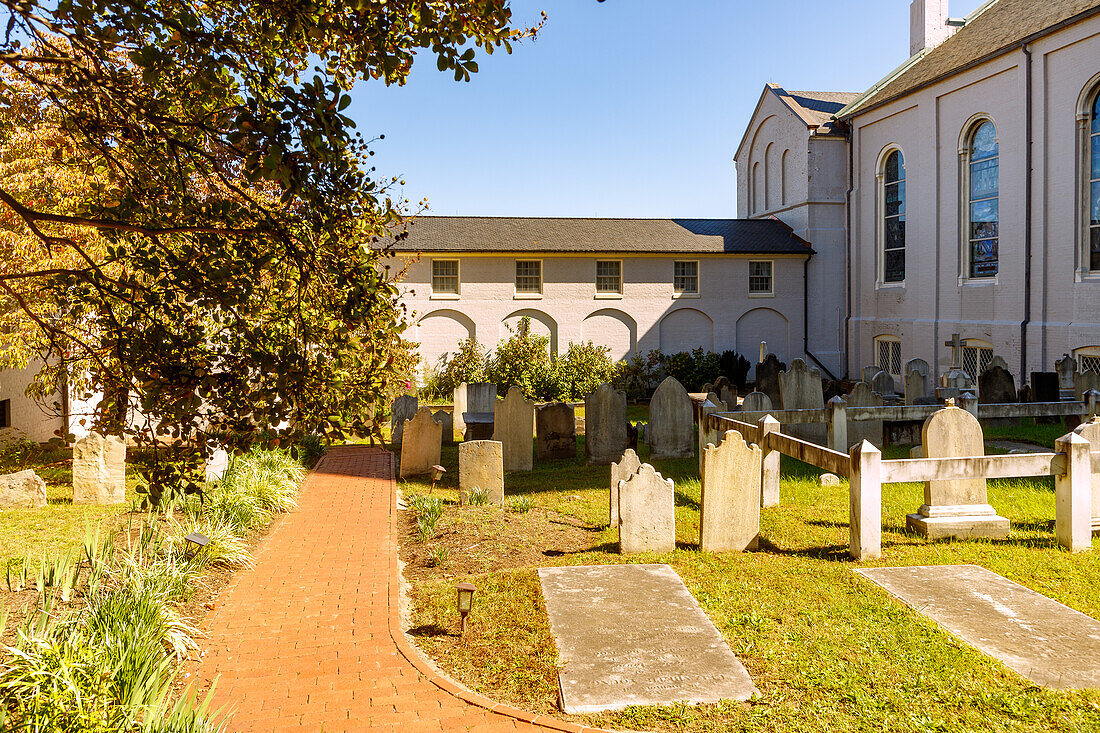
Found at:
<point>893,218</point>
<point>982,206</point>
<point>1094,185</point>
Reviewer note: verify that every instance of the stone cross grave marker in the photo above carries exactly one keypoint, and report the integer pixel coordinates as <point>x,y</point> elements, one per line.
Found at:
<point>1040,639</point>
<point>99,470</point>
<point>860,430</point>
<point>917,373</point>
<point>955,507</point>
<point>626,467</point>
<point>756,402</point>
<point>403,408</point>
<point>515,427</point>
<point>955,380</point>
<point>556,431</point>
<point>671,427</point>
<point>605,436</point>
<point>647,512</point>
<point>421,443</point>
<point>634,635</point>
<point>767,379</point>
<point>1067,370</point>
<point>481,466</point>
<point>801,388</point>
<point>22,490</point>
<point>729,518</point>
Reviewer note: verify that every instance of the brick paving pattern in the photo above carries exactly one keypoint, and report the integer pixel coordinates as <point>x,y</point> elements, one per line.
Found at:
<point>309,639</point>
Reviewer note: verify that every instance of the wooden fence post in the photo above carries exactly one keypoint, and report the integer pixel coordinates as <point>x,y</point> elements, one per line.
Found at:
<point>865,503</point>
<point>1073,494</point>
<point>836,418</point>
<point>769,465</point>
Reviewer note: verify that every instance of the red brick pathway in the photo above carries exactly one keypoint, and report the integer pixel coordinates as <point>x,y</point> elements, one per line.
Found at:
<point>310,638</point>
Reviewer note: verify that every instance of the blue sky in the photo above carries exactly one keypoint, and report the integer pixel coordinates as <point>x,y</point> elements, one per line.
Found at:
<point>628,108</point>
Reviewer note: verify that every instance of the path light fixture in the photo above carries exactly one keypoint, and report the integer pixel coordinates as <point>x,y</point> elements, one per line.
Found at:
<point>437,473</point>
<point>465,602</point>
<point>195,543</point>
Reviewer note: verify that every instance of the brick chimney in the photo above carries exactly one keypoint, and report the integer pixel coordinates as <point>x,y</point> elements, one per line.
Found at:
<point>927,25</point>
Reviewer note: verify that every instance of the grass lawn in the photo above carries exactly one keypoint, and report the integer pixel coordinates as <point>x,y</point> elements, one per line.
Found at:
<point>828,650</point>
<point>60,526</point>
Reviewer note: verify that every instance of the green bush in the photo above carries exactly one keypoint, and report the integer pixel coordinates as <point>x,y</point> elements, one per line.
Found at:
<point>580,371</point>
<point>735,367</point>
<point>522,360</point>
<point>468,364</point>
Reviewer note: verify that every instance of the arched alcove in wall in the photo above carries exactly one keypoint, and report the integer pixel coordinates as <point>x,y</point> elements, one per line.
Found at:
<point>439,333</point>
<point>685,329</point>
<point>763,324</point>
<point>611,328</point>
<point>541,324</point>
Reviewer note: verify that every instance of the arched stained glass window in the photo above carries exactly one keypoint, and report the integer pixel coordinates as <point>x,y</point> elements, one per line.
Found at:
<point>893,212</point>
<point>982,201</point>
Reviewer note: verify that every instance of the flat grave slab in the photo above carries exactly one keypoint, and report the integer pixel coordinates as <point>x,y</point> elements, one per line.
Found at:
<point>1045,641</point>
<point>634,635</point>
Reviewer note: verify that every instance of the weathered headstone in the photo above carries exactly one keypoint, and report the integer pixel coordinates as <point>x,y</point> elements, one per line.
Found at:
<point>706,433</point>
<point>605,436</point>
<point>729,519</point>
<point>481,466</point>
<point>728,397</point>
<point>22,490</point>
<point>626,467</point>
<point>1044,387</point>
<point>869,373</point>
<point>514,427</point>
<point>670,422</point>
<point>917,375</point>
<point>216,465</point>
<point>860,430</point>
<point>801,388</point>
<point>403,408</point>
<point>1083,382</point>
<point>720,384</point>
<point>997,360</point>
<point>996,386</point>
<point>828,479</point>
<point>1067,370</point>
<point>955,507</point>
<point>99,470</point>
<point>1090,431</point>
<point>1041,639</point>
<point>555,429</point>
<point>461,402</point>
<point>446,419</point>
<point>756,402</point>
<point>634,635</point>
<point>421,444</point>
<point>767,379</point>
<point>883,383</point>
<point>647,512</point>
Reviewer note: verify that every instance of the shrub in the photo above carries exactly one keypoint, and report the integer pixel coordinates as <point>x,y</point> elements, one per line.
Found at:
<point>636,376</point>
<point>735,367</point>
<point>522,360</point>
<point>580,371</point>
<point>468,364</point>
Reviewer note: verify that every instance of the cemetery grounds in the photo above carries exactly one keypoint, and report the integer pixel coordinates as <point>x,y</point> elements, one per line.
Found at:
<point>828,649</point>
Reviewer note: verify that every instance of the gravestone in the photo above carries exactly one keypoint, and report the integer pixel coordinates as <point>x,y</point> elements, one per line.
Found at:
<point>446,419</point>
<point>605,436</point>
<point>996,386</point>
<point>477,397</point>
<point>860,430</point>
<point>671,427</point>
<point>997,360</point>
<point>706,433</point>
<point>647,512</point>
<point>756,402</point>
<point>801,389</point>
<point>627,466</point>
<point>555,428</point>
<point>715,399</point>
<point>1083,382</point>
<point>1067,370</point>
<point>403,408</point>
<point>767,379</point>
<point>955,380</point>
<point>461,402</point>
<point>720,385</point>
<point>481,466</point>
<point>883,383</point>
<point>869,373</point>
<point>1040,639</point>
<point>634,635</point>
<point>1044,387</point>
<point>99,470</point>
<point>514,427</point>
<point>917,374</point>
<point>1090,431</point>
<point>955,507</point>
<point>216,465</point>
<point>728,398</point>
<point>828,479</point>
<point>420,444</point>
<point>729,519</point>
<point>22,490</point>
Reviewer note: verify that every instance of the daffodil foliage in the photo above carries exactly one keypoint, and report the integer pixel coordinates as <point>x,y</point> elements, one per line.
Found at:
<point>189,223</point>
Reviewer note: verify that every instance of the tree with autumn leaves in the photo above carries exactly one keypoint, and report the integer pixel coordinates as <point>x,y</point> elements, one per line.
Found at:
<point>189,223</point>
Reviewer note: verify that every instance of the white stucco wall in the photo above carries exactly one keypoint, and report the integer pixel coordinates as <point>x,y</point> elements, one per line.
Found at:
<point>29,419</point>
<point>936,298</point>
<point>648,315</point>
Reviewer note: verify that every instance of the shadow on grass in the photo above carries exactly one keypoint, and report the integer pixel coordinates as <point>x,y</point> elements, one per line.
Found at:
<point>825,552</point>
<point>606,547</point>
<point>430,630</point>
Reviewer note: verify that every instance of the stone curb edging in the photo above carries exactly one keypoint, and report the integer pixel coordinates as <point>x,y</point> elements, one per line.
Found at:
<point>414,657</point>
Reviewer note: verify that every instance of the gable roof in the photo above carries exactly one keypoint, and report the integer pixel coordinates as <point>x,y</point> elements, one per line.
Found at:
<point>817,109</point>
<point>485,234</point>
<point>993,29</point>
